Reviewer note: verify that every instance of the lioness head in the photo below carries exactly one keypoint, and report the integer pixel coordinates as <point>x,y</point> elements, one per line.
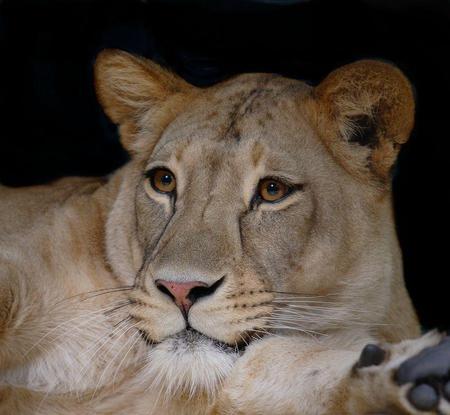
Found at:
<point>255,206</point>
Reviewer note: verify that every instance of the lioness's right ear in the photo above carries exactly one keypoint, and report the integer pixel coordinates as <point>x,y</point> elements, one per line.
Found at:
<point>133,89</point>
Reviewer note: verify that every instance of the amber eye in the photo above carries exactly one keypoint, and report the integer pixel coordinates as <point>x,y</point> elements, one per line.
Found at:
<point>271,190</point>
<point>162,180</point>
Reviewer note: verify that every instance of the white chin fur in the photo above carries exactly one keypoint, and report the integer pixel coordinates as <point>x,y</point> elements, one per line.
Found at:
<point>187,364</point>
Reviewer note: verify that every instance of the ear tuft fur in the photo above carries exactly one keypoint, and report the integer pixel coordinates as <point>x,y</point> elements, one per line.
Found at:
<point>362,130</point>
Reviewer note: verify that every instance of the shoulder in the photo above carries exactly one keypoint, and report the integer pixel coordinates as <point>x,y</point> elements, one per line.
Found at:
<point>20,207</point>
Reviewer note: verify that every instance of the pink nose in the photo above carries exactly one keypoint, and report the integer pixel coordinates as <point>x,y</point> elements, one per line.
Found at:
<point>181,292</point>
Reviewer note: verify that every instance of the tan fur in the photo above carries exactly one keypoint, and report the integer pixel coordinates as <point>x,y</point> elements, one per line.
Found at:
<point>317,275</point>
<point>366,88</point>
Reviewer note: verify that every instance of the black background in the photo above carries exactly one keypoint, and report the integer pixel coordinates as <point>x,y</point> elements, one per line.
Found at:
<point>52,126</point>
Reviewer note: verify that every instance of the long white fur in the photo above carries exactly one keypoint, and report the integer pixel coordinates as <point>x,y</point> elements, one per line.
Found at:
<point>175,368</point>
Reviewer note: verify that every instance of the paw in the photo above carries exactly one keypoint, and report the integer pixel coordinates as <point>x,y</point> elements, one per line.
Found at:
<point>429,374</point>
<point>413,375</point>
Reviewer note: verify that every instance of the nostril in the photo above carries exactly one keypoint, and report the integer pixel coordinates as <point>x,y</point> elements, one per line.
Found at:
<point>161,287</point>
<point>198,292</point>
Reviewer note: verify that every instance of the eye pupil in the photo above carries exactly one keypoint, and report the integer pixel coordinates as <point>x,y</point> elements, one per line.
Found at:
<point>166,179</point>
<point>273,188</point>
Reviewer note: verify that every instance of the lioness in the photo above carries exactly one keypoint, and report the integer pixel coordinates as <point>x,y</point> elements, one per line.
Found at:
<point>244,261</point>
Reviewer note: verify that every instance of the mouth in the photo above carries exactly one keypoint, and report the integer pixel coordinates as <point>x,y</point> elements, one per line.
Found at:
<point>190,338</point>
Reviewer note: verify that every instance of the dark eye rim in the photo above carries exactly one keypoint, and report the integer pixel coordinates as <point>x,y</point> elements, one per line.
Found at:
<point>150,175</point>
<point>291,188</point>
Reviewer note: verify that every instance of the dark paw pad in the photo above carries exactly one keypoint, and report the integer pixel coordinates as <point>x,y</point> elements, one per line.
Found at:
<point>424,397</point>
<point>371,355</point>
<point>429,371</point>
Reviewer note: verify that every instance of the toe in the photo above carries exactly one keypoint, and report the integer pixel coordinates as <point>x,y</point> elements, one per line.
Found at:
<point>423,397</point>
<point>431,362</point>
<point>371,355</point>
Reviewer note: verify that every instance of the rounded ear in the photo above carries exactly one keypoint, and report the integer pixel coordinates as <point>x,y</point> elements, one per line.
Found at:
<point>136,93</point>
<point>364,113</point>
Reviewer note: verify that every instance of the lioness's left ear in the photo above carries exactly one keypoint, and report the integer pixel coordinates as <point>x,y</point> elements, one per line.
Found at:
<point>137,93</point>
<point>365,111</point>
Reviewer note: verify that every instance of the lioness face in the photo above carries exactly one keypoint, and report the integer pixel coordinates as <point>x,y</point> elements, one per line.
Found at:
<point>238,217</point>
<point>215,226</point>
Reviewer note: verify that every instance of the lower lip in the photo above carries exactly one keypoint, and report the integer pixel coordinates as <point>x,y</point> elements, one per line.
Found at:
<point>219,344</point>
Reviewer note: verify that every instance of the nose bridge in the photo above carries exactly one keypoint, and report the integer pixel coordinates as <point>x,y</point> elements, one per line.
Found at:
<point>203,240</point>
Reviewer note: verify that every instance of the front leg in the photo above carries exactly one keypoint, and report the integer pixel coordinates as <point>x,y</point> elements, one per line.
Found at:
<point>302,376</point>
<point>288,375</point>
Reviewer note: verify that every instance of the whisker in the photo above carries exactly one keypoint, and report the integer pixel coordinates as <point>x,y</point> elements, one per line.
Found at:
<point>87,322</point>
<point>321,316</point>
<point>308,303</point>
<point>113,359</point>
<point>265,332</point>
<point>243,339</point>
<point>65,323</point>
<point>100,291</point>
<point>108,292</point>
<point>103,340</point>
<point>136,336</point>
<point>124,304</point>
<point>121,321</point>
<point>328,321</point>
<point>303,295</point>
<point>296,328</point>
<point>301,302</point>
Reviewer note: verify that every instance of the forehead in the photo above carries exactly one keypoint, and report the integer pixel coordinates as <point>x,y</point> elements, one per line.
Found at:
<point>255,111</point>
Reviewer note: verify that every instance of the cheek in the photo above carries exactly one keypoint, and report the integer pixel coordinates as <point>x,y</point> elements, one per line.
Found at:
<point>274,243</point>
<point>151,219</point>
